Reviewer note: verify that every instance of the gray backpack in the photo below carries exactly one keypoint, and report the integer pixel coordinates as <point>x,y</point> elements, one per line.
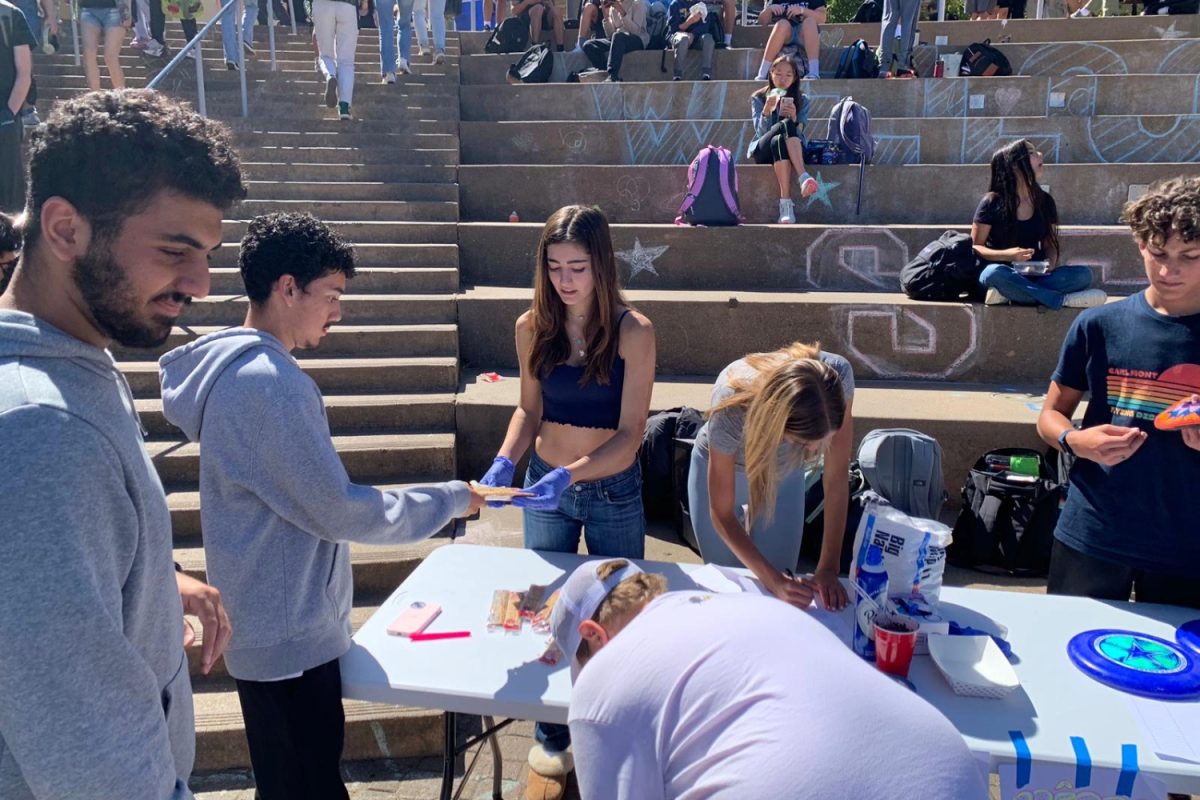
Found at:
<point>905,468</point>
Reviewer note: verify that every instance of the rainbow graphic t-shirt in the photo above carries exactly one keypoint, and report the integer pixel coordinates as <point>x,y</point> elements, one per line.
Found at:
<point>1133,363</point>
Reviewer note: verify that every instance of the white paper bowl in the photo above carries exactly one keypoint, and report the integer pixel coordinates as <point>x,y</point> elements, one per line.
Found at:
<point>973,665</point>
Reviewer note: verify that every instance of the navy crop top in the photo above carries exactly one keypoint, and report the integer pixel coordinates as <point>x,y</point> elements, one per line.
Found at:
<point>591,405</point>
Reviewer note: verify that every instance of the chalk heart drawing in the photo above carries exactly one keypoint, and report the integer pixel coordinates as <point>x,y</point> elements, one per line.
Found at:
<point>574,139</point>
<point>632,191</point>
<point>524,142</point>
<point>855,258</point>
<point>641,259</point>
<point>1007,98</point>
<point>898,342</point>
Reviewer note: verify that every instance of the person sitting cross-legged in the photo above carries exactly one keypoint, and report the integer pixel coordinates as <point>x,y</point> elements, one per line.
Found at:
<point>625,26</point>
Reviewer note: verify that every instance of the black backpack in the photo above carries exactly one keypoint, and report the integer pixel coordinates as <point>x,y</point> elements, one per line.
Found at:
<point>981,60</point>
<point>1007,525</point>
<point>858,61</point>
<point>945,270</point>
<point>869,11</point>
<point>510,36</point>
<point>656,457</point>
<point>814,518</point>
<point>535,66</point>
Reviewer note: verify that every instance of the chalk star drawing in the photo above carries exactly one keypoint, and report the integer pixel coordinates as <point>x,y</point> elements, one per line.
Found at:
<point>822,193</point>
<point>1169,33</point>
<point>641,259</point>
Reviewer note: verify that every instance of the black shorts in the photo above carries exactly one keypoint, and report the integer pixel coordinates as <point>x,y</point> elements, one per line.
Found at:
<point>547,23</point>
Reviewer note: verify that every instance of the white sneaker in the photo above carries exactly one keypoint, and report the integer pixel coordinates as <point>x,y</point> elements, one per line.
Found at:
<point>1085,299</point>
<point>402,68</point>
<point>787,212</point>
<point>420,51</point>
<point>439,57</point>
<point>994,298</point>
<point>390,78</point>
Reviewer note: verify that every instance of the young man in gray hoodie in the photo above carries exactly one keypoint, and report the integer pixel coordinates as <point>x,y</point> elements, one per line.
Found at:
<point>277,506</point>
<point>95,700</point>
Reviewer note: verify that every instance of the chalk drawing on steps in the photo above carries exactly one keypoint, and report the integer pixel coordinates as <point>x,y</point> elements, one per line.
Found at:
<point>525,142</point>
<point>874,256</point>
<point>1079,93</point>
<point>902,343</point>
<point>1122,140</point>
<point>1097,248</point>
<point>984,135</point>
<point>641,259</point>
<point>678,141</point>
<point>574,139</point>
<point>1074,58</point>
<point>1182,60</point>
<point>1171,32</point>
<point>633,192</point>
<point>946,98</point>
<point>897,148</point>
<point>824,188</point>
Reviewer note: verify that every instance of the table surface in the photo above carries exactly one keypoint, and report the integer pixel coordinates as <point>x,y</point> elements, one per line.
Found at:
<point>498,674</point>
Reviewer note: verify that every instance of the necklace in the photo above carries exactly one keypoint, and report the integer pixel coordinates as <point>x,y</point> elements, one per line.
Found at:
<point>579,340</point>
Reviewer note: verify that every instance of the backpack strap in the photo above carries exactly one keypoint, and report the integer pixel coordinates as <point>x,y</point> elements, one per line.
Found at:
<point>726,190</point>
<point>696,175</point>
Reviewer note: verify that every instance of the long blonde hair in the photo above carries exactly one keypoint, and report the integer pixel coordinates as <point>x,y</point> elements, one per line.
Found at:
<point>587,227</point>
<point>792,393</point>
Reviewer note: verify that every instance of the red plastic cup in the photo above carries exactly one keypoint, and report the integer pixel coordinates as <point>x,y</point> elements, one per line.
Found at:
<point>894,647</point>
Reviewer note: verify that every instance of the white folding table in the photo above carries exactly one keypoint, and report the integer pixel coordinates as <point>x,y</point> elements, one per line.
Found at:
<point>499,675</point>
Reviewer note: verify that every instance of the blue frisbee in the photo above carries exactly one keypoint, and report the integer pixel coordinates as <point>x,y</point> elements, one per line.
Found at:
<point>1189,636</point>
<point>1137,663</point>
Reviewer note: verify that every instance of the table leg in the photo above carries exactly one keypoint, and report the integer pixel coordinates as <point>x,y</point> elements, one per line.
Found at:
<point>497,763</point>
<point>449,753</point>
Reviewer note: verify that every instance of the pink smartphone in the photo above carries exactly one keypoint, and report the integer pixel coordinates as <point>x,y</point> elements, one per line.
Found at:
<point>414,619</point>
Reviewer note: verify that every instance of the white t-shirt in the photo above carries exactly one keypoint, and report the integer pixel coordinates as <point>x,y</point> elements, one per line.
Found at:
<point>736,696</point>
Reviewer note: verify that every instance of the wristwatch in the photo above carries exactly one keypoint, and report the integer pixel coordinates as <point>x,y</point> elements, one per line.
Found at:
<point>1062,442</point>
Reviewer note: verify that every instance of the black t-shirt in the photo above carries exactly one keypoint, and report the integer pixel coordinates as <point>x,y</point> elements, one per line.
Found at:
<point>14,32</point>
<point>1006,232</point>
<point>1134,363</point>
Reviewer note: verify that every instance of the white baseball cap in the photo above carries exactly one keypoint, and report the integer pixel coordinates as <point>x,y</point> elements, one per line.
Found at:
<point>578,600</point>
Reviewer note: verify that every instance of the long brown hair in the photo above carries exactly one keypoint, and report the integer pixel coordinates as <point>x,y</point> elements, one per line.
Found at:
<point>1011,168</point>
<point>793,91</point>
<point>587,227</point>
<point>792,392</point>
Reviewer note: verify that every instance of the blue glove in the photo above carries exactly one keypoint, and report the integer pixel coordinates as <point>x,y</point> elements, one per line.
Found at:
<point>500,474</point>
<point>546,492</point>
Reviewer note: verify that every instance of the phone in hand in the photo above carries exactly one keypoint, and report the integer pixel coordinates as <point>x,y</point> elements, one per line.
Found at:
<point>414,619</point>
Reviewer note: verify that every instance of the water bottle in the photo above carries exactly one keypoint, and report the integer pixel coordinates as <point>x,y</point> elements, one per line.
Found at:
<point>873,580</point>
<point>1021,465</point>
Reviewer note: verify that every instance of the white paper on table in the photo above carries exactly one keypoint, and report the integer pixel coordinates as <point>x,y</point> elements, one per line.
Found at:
<point>1050,779</point>
<point>1172,730</point>
<point>716,578</point>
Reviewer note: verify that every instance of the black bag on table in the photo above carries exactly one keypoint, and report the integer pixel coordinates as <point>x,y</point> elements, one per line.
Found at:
<point>1007,524</point>
<point>981,60</point>
<point>510,36</point>
<point>535,66</point>
<point>946,269</point>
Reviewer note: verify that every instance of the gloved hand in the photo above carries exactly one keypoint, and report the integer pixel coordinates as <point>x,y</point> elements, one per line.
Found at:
<point>500,475</point>
<point>546,492</point>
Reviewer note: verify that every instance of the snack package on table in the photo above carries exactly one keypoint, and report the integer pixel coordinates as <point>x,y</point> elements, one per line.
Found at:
<point>914,549</point>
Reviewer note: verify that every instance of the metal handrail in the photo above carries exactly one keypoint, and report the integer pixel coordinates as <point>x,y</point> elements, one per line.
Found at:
<point>75,31</point>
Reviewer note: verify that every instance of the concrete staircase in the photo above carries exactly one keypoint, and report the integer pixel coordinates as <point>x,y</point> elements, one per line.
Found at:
<point>444,275</point>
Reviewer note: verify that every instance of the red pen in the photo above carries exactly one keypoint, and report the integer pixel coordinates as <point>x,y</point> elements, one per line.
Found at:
<point>429,637</point>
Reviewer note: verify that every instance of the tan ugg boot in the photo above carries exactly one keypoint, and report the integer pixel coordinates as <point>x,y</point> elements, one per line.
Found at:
<point>548,773</point>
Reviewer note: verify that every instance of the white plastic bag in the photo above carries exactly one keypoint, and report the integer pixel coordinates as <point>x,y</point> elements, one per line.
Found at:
<point>914,549</point>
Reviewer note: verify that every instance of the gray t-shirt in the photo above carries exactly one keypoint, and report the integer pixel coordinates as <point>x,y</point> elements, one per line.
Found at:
<point>723,431</point>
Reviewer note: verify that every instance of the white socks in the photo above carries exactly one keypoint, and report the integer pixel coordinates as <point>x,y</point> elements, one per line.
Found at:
<point>729,40</point>
<point>814,68</point>
<point>764,69</point>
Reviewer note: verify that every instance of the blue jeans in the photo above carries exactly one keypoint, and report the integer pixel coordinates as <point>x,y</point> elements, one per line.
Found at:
<point>609,513</point>
<point>779,541</point>
<point>229,29</point>
<point>1046,290</point>
<point>390,42</point>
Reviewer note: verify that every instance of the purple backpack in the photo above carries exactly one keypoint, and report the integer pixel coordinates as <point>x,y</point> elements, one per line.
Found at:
<point>712,193</point>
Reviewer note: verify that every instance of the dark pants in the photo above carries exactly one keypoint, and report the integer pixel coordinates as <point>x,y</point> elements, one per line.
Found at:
<point>281,12</point>
<point>772,145</point>
<point>12,169</point>
<point>295,729</point>
<point>609,53</point>
<point>1076,573</point>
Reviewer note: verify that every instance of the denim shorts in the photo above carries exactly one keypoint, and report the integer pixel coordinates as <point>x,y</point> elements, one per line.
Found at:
<point>102,18</point>
<point>608,511</point>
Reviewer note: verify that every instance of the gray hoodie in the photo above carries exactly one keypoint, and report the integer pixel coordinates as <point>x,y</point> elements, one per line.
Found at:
<point>276,505</point>
<point>95,700</point>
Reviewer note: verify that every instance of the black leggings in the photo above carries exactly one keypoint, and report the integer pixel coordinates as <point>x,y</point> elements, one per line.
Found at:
<point>772,145</point>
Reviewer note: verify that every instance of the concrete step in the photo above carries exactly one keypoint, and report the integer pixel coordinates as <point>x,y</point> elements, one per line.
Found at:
<point>1075,140</point>
<point>340,374</point>
<point>368,458</point>
<point>373,730</point>
<point>355,341</point>
<point>372,255</point>
<point>344,157</point>
<point>335,190</point>
<point>356,210</point>
<point>422,119</point>
<point>1086,194</point>
<point>885,336</point>
<point>840,258</point>
<point>1128,57</point>
<point>1024,96</point>
<point>184,505</point>
<point>348,414</point>
<point>420,183</point>
<point>966,419</point>
<point>365,309</point>
<point>410,134</point>
<point>367,280</point>
<point>368,233</point>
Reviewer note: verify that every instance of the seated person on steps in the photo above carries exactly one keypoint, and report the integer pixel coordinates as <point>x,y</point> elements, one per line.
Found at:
<point>779,113</point>
<point>625,24</point>
<point>542,16</point>
<point>795,22</point>
<point>1017,221</point>
<point>688,29</point>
